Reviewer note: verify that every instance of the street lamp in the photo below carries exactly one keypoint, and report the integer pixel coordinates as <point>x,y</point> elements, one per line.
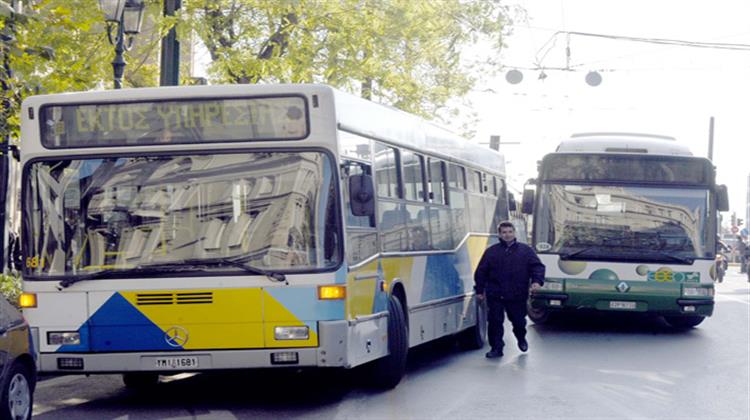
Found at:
<point>127,15</point>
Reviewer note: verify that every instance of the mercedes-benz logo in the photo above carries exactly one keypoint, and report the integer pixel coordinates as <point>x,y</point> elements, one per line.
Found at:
<point>623,287</point>
<point>176,336</point>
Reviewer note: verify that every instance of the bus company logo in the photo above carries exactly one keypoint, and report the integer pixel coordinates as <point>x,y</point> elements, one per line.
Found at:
<point>176,336</point>
<point>622,287</point>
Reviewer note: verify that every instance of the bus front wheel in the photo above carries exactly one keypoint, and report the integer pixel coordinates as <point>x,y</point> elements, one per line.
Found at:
<point>684,322</point>
<point>388,371</point>
<point>538,315</point>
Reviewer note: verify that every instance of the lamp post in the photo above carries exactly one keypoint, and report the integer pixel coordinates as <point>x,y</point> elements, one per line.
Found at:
<point>124,18</point>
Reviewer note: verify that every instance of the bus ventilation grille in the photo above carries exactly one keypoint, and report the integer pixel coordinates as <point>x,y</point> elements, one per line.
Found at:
<point>189,298</point>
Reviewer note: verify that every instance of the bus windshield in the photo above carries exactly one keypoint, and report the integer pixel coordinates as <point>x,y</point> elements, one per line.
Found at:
<point>622,222</point>
<point>274,210</point>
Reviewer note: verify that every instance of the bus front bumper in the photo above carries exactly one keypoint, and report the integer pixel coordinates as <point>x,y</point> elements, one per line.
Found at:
<point>331,352</point>
<point>660,304</point>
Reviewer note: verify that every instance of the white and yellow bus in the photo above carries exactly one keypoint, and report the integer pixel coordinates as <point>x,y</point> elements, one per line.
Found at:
<point>223,227</point>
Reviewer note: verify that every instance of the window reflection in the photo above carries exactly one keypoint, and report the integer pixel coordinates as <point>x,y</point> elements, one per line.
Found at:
<point>621,219</point>
<point>276,210</point>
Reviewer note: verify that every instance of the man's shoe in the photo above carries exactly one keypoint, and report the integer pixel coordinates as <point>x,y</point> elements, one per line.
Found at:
<point>523,345</point>
<point>493,354</point>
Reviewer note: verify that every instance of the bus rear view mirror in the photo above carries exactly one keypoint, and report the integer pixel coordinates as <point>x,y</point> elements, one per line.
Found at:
<point>722,198</point>
<point>527,201</point>
<point>512,202</point>
<point>362,195</point>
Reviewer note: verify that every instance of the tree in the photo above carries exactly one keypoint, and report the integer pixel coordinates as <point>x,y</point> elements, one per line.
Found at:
<point>61,46</point>
<point>408,53</point>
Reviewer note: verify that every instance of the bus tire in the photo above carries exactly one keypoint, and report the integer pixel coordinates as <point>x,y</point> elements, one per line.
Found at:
<point>139,381</point>
<point>475,336</point>
<point>388,371</point>
<point>684,322</point>
<point>538,315</point>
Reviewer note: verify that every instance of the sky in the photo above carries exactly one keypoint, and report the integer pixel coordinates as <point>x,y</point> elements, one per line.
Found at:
<point>646,88</point>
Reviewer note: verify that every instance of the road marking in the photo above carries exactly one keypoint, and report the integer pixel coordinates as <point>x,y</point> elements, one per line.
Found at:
<point>732,298</point>
<point>40,409</point>
<point>59,380</point>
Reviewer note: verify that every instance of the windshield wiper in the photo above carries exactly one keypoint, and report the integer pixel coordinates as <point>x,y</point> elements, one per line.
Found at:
<point>173,267</point>
<point>574,253</point>
<point>237,262</point>
<point>145,269</point>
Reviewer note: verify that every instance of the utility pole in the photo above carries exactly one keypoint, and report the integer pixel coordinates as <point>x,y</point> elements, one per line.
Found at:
<point>170,49</point>
<point>711,139</point>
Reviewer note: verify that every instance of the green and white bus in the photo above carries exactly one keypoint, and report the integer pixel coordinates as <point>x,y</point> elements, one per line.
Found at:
<point>626,223</point>
<point>248,226</point>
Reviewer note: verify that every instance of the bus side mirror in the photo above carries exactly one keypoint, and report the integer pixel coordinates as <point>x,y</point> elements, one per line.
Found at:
<point>527,201</point>
<point>722,198</point>
<point>512,202</point>
<point>362,195</point>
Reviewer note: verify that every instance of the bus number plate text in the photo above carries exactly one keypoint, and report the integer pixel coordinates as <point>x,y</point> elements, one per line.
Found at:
<point>621,305</point>
<point>176,363</point>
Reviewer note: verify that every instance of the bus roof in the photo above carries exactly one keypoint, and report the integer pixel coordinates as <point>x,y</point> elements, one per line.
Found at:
<point>369,118</point>
<point>636,143</point>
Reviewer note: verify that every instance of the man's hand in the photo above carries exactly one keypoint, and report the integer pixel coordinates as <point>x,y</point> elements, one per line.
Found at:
<point>535,286</point>
<point>480,296</point>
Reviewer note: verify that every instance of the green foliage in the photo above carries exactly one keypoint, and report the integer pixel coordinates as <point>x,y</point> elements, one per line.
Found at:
<point>10,287</point>
<point>62,46</point>
<point>407,53</point>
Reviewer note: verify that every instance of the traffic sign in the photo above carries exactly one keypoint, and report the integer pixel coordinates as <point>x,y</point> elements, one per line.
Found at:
<point>735,229</point>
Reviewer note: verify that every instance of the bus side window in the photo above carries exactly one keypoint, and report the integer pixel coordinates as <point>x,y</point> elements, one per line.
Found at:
<point>437,181</point>
<point>348,169</point>
<point>457,201</point>
<point>413,176</point>
<point>386,171</point>
<point>361,236</point>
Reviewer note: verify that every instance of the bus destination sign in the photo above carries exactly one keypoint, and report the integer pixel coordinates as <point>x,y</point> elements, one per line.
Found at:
<point>177,121</point>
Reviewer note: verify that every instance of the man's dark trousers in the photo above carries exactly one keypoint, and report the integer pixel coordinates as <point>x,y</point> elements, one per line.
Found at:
<point>497,307</point>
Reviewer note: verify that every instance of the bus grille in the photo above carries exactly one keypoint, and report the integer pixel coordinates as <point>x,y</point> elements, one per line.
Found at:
<point>188,298</point>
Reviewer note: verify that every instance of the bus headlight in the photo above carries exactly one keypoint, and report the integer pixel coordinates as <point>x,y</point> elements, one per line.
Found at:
<point>61,338</point>
<point>291,333</point>
<point>697,291</point>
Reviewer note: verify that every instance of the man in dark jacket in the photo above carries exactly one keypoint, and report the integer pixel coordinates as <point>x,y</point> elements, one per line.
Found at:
<point>502,279</point>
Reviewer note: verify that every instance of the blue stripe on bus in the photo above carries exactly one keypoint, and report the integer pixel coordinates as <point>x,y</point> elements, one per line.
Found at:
<point>441,278</point>
<point>118,326</point>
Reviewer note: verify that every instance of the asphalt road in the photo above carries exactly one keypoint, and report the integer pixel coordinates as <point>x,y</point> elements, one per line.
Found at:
<point>576,368</point>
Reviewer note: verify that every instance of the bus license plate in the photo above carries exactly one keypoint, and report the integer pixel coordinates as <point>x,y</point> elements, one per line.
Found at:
<point>621,305</point>
<point>176,363</point>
